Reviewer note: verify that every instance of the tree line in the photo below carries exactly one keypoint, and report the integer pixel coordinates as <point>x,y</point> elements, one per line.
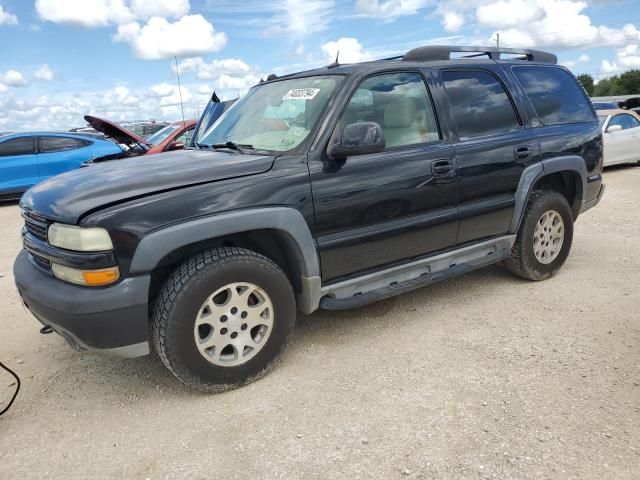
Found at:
<point>627,83</point>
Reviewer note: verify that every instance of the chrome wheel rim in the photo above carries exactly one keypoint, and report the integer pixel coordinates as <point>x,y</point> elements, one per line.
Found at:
<point>233,324</point>
<point>548,237</point>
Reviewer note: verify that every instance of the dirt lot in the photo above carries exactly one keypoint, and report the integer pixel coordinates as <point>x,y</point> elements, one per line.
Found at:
<point>484,376</point>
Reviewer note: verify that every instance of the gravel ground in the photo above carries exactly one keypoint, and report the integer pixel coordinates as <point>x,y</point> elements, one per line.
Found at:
<point>480,377</point>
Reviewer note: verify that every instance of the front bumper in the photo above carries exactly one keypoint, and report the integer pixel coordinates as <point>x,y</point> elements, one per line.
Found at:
<point>112,320</point>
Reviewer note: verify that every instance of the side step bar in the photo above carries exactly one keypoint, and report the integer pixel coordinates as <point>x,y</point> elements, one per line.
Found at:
<point>377,286</point>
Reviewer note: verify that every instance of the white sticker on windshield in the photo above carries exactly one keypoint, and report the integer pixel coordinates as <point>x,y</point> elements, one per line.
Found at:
<point>301,94</point>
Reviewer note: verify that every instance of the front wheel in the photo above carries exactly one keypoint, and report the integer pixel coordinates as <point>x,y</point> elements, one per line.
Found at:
<point>222,318</point>
<point>544,238</point>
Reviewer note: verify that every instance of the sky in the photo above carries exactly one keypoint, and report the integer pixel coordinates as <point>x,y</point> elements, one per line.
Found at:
<point>62,59</point>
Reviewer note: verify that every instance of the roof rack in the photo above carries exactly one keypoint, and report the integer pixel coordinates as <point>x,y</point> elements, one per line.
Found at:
<point>443,52</point>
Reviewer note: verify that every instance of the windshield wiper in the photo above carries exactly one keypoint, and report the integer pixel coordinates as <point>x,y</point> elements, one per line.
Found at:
<point>240,147</point>
<point>203,146</point>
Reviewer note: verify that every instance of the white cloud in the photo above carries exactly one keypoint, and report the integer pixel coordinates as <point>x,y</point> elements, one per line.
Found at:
<point>509,13</point>
<point>160,8</point>
<point>84,13</point>
<point>389,10</point>
<point>584,58</point>
<point>190,36</point>
<point>215,68</point>
<point>452,21</point>
<point>7,18</point>
<point>627,58</point>
<point>229,74</point>
<point>294,18</point>
<point>565,25</point>
<point>122,96</point>
<point>12,78</point>
<point>44,73</point>
<point>349,49</point>
<point>169,94</point>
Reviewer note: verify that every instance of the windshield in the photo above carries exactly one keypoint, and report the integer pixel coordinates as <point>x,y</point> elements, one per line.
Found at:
<point>159,137</point>
<point>276,116</point>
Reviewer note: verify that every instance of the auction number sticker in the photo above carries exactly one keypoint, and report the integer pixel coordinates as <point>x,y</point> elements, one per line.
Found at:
<point>301,94</point>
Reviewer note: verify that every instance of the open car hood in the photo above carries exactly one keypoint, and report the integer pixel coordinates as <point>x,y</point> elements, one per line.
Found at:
<point>211,113</point>
<point>115,131</point>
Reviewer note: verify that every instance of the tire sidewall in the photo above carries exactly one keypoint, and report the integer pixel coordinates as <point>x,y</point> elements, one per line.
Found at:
<point>186,361</point>
<point>546,202</point>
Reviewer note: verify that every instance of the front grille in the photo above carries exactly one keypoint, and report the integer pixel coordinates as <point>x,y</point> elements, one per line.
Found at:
<point>35,224</point>
<point>40,262</point>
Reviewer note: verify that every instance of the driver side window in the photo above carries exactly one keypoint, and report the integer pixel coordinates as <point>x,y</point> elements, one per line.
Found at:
<point>400,104</point>
<point>625,121</point>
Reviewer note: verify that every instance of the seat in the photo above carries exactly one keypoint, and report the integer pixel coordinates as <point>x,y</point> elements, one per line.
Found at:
<point>400,126</point>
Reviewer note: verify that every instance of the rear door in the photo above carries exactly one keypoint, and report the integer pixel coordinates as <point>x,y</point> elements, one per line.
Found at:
<point>18,164</point>
<point>492,147</point>
<point>58,154</point>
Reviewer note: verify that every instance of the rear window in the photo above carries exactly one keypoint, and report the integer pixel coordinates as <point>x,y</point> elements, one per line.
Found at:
<point>479,103</point>
<point>58,144</point>
<point>555,95</point>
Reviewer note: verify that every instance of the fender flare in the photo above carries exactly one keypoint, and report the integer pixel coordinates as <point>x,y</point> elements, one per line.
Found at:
<point>533,173</point>
<point>156,245</point>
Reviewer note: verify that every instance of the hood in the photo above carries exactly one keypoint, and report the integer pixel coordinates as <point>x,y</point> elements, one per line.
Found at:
<point>211,113</point>
<point>67,197</point>
<point>115,131</point>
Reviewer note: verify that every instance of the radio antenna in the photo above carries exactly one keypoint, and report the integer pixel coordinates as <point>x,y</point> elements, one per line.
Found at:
<point>179,88</point>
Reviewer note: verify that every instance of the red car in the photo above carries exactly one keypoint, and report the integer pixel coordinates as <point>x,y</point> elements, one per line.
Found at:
<point>174,136</point>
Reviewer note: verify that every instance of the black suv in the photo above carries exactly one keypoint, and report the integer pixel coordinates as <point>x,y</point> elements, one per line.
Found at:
<point>329,188</point>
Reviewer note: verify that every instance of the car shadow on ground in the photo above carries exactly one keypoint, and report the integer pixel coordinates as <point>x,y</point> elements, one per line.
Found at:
<point>147,375</point>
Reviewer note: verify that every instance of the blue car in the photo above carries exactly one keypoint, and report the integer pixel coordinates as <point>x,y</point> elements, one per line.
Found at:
<point>29,158</point>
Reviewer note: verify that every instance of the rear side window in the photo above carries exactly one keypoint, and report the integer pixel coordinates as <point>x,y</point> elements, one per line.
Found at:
<point>58,144</point>
<point>555,95</point>
<point>479,103</point>
<point>17,146</point>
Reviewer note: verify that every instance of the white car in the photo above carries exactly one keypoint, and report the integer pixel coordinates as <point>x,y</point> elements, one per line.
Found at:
<point>621,129</point>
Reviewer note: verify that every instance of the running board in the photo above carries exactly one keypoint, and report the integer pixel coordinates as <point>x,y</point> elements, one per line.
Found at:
<point>404,278</point>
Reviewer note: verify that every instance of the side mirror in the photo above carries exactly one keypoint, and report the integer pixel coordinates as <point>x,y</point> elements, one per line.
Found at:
<point>358,139</point>
<point>176,146</point>
<point>614,128</point>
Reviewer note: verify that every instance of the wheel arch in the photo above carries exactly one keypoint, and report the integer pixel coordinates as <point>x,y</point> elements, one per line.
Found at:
<point>566,175</point>
<point>279,233</point>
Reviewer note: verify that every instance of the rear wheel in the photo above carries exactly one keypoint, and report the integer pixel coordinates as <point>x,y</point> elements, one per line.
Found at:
<point>544,238</point>
<point>222,318</point>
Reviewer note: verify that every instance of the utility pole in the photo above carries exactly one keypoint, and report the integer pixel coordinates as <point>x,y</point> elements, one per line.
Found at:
<point>498,40</point>
<point>179,88</point>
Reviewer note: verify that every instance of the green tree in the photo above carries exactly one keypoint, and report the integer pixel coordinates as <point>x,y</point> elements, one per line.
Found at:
<point>629,82</point>
<point>603,88</point>
<point>587,82</point>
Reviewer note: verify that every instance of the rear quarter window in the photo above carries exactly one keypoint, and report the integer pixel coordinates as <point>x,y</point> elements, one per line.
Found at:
<point>555,94</point>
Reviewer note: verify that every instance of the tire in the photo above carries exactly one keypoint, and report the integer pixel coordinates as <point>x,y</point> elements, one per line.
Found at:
<point>187,317</point>
<point>524,262</point>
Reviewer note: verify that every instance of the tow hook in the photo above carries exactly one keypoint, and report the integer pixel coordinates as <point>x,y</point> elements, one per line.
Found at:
<point>47,329</point>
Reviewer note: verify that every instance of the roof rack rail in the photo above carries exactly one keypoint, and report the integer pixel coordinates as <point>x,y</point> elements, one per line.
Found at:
<point>443,52</point>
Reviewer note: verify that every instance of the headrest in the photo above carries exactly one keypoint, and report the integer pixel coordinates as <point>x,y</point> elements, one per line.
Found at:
<point>399,113</point>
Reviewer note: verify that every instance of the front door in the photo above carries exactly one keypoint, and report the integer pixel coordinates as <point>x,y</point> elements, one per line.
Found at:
<point>18,164</point>
<point>621,142</point>
<point>376,209</point>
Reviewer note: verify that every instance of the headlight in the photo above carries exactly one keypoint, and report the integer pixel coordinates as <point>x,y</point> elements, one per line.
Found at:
<point>79,239</point>
<point>89,278</point>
